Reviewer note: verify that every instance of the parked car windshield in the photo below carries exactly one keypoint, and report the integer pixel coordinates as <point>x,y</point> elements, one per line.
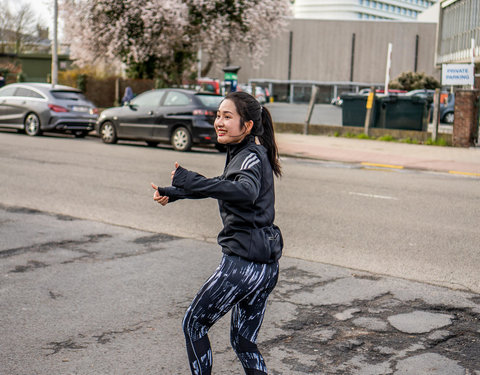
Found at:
<point>210,100</point>
<point>68,95</point>
<point>420,92</point>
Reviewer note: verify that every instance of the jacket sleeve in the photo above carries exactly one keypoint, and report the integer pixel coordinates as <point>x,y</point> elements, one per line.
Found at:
<point>173,193</point>
<point>242,184</point>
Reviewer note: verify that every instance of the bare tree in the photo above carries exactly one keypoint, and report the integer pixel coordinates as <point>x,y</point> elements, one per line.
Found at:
<point>18,27</point>
<point>24,26</point>
<point>5,27</point>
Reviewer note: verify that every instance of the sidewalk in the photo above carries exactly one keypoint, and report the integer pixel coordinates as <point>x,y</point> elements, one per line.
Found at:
<point>464,161</point>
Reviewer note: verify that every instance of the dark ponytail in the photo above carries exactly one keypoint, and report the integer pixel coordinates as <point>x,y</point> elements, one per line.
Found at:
<point>250,109</point>
<point>267,139</point>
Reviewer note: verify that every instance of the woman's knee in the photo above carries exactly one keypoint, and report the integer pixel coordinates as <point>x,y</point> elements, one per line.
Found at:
<point>193,326</point>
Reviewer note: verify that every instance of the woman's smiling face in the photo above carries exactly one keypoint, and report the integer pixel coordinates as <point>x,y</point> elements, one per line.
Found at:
<point>228,124</point>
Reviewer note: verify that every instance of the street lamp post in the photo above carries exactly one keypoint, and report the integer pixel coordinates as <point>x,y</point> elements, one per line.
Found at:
<point>54,45</point>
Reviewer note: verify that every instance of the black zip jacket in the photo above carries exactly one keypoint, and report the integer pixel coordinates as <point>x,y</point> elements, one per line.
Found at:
<point>246,199</point>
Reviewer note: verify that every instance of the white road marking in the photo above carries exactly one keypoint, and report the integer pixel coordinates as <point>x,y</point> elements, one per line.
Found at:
<point>373,196</point>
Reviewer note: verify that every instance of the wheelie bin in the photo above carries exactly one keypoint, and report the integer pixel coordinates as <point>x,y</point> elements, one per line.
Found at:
<point>402,112</point>
<point>353,109</point>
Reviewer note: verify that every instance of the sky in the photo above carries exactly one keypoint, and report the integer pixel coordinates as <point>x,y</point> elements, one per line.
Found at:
<point>42,8</point>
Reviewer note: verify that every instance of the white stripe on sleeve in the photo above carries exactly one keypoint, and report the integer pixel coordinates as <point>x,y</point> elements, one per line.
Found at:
<point>250,161</point>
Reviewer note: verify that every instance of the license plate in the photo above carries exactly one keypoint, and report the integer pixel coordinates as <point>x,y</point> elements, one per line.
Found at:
<point>79,108</point>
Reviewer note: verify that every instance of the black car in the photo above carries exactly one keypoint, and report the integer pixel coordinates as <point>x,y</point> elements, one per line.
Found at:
<point>181,117</point>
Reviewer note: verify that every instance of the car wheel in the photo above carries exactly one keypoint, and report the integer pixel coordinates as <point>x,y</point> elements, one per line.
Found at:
<point>80,134</point>
<point>181,139</point>
<point>152,143</point>
<point>449,117</point>
<point>108,133</point>
<point>32,125</point>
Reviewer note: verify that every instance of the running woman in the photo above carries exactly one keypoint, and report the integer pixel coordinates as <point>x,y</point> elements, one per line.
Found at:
<point>251,243</point>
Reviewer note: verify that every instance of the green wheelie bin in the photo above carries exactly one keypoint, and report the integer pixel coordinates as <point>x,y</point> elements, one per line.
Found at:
<point>402,112</point>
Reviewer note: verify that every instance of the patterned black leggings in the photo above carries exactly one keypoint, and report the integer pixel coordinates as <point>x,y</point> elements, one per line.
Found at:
<point>236,284</point>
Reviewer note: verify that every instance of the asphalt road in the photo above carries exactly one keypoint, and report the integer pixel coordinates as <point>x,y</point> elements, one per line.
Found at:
<point>107,295</point>
<point>79,297</point>
<point>323,114</point>
<point>415,225</point>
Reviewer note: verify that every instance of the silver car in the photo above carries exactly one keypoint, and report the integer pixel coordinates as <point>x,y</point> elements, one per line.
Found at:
<point>37,107</point>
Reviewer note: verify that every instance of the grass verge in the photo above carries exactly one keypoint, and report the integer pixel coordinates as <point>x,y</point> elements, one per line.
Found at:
<point>389,138</point>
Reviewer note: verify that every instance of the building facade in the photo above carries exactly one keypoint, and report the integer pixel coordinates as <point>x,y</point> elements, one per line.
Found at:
<point>403,10</point>
<point>459,24</point>
<point>338,56</point>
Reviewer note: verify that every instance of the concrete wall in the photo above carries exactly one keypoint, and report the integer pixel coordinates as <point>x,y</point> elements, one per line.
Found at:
<point>322,51</point>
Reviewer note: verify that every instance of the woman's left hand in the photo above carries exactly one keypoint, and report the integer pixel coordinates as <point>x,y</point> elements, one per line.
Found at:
<point>163,200</point>
<point>173,172</point>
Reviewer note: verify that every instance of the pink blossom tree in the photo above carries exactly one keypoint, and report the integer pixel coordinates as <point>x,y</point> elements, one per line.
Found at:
<point>138,33</point>
<point>160,38</point>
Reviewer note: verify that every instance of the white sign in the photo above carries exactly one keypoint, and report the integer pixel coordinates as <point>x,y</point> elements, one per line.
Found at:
<point>458,74</point>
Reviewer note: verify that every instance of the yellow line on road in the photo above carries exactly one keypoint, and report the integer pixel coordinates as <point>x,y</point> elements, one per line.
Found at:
<point>465,173</point>
<point>383,165</point>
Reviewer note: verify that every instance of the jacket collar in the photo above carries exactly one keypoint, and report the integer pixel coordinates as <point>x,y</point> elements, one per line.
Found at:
<point>234,148</point>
